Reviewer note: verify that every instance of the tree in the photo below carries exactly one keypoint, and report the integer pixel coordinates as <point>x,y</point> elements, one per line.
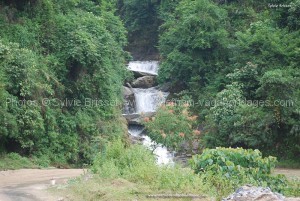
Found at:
<point>53,53</point>
<point>142,21</point>
<point>192,43</point>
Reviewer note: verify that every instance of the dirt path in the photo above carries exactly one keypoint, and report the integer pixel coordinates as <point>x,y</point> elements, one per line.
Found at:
<point>289,173</point>
<point>31,184</point>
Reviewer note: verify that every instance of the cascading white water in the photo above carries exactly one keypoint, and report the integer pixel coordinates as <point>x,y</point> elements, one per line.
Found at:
<point>149,67</point>
<point>163,156</point>
<point>148,100</point>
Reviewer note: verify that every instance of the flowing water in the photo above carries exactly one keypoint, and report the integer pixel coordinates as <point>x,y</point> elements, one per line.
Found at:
<point>149,67</point>
<point>163,156</point>
<point>148,100</point>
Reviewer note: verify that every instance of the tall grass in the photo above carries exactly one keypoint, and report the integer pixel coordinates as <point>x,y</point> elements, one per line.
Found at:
<point>135,169</point>
<point>13,161</point>
<point>137,164</point>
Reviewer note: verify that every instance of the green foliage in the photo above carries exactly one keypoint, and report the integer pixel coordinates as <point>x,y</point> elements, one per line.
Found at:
<point>238,61</point>
<point>14,161</point>
<point>116,160</point>
<point>226,102</point>
<point>172,125</point>
<point>235,120</point>
<point>220,171</point>
<point>52,53</point>
<point>239,53</point>
<point>236,167</point>
<point>137,164</point>
<point>191,43</point>
<point>262,44</point>
<point>273,84</point>
<point>293,15</point>
<point>293,188</point>
<point>231,161</point>
<point>247,78</point>
<point>42,161</point>
<point>142,21</point>
<point>138,13</point>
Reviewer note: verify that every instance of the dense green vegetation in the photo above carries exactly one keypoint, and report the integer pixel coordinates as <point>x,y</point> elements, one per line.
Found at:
<point>172,126</point>
<point>13,161</point>
<point>137,164</point>
<point>237,167</point>
<point>235,65</point>
<point>218,173</point>
<point>238,61</point>
<point>141,20</point>
<point>57,57</point>
<point>245,59</point>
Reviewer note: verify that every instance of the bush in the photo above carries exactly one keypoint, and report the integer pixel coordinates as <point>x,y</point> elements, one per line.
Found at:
<point>13,161</point>
<point>134,163</point>
<point>42,161</point>
<point>172,125</point>
<point>231,160</point>
<point>137,164</point>
<point>192,47</point>
<point>59,51</point>
<point>231,168</point>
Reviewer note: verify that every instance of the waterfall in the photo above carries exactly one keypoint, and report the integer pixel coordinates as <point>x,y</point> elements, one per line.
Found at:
<point>149,67</point>
<point>135,130</point>
<point>148,100</point>
<point>162,154</point>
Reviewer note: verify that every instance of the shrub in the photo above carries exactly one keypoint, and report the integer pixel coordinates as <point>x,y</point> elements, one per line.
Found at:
<point>232,167</point>
<point>13,161</point>
<point>42,161</point>
<point>172,125</point>
<point>231,160</point>
<point>64,51</point>
<point>134,163</point>
<point>137,164</point>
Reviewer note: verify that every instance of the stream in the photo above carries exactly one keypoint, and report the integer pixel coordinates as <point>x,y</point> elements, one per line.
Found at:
<point>147,100</point>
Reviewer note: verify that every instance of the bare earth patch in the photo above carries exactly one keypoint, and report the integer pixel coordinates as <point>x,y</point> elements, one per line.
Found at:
<point>289,173</point>
<point>31,184</point>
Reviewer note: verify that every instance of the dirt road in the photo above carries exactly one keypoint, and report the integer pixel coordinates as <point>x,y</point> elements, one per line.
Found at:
<point>289,173</point>
<point>31,184</point>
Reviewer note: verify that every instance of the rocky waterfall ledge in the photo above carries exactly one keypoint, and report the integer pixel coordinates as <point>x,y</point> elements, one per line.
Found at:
<point>142,98</point>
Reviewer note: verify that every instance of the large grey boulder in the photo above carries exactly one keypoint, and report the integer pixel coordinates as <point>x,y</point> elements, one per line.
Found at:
<point>127,92</point>
<point>144,82</point>
<point>252,193</point>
